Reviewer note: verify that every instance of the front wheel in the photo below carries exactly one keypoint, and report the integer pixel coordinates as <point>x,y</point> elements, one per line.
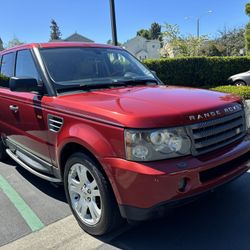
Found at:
<point>239,83</point>
<point>89,195</point>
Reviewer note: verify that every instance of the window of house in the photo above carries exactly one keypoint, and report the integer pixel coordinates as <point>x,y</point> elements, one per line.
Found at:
<point>25,65</point>
<point>153,46</point>
<point>7,69</point>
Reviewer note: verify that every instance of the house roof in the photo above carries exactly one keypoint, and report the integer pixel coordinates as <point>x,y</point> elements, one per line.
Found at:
<point>78,38</point>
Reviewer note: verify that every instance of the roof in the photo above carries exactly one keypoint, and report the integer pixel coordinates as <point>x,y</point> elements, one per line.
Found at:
<point>60,45</point>
<point>78,38</point>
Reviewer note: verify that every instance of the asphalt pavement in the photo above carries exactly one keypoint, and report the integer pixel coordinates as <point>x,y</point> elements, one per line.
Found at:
<point>219,220</point>
<point>27,203</point>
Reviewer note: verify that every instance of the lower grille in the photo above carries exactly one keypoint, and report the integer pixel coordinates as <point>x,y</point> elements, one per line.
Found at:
<point>217,133</point>
<point>218,171</point>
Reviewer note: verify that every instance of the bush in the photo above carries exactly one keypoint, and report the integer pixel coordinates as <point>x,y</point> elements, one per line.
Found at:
<point>243,91</point>
<point>198,71</point>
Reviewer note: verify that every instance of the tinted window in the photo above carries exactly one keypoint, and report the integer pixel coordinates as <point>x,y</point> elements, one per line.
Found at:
<point>78,64</point>
<point>25,66</point>
<point>7,67</point>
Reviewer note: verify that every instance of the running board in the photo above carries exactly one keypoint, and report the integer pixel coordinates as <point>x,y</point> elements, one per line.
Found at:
<point>31,170</point>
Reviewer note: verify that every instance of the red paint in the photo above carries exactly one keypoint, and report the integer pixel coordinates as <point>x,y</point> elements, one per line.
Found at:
<point>96,120</point>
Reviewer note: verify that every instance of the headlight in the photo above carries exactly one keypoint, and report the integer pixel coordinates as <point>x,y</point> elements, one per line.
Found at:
<point>156,144</point>
<point>247,113</point>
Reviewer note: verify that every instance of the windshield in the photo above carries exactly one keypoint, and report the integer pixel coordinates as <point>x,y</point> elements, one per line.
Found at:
<point>90,66</point>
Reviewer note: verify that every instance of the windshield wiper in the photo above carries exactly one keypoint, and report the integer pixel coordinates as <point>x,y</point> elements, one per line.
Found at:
<point>138,81</point>
<point>88,86</point>
<point>105,84</point>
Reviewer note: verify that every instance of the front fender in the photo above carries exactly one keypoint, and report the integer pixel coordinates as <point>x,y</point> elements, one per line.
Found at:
<point>100,141</point>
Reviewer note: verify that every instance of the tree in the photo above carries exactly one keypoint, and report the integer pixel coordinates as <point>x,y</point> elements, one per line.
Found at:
<point>14,42</point>
<point>1,45</point>
<point>247,31</point>
<point>144,33</point>
<point>55,33</point>
<point>109,42</point>
<point>177,45</point>
<point>211,48</point>
<point>155,31</point>
<point>229,43</point>
<point>247,9</point>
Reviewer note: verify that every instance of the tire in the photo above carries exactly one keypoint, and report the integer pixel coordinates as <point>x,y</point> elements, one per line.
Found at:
<point>3,154</point>
<point>239,83</point>
<point>89,195</point>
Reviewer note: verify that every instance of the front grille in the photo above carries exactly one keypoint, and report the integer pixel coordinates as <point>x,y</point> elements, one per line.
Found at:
<point>217,133</point>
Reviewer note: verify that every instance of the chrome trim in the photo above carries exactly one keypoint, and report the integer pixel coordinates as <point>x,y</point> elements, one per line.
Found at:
<point>22,164</point>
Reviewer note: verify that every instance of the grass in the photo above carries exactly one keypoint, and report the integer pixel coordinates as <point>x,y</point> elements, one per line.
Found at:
<point>243,91</point>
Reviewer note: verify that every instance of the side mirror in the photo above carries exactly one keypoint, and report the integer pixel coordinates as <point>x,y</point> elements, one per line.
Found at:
<point>24,84</point>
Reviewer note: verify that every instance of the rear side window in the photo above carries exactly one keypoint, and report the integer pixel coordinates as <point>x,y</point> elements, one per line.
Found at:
<point>7,68</point>
<point>25,65</point>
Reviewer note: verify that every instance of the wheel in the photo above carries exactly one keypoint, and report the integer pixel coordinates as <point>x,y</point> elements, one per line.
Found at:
<point>3,154</point>
<point>239,83</point>
<point>89,195</point>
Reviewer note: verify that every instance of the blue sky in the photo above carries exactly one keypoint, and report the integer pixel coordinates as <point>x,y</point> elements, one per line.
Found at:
<point>30,20</point>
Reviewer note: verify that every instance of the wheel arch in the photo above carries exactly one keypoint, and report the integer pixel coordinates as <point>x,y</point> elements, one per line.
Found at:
<point>72,147</point>
<point>239,80</point>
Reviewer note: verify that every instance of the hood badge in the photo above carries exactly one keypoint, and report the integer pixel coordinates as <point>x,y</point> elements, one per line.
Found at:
<point>215,113</point>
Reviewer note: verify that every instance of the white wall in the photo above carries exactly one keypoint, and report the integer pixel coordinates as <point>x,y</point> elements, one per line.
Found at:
<point>137,45</point>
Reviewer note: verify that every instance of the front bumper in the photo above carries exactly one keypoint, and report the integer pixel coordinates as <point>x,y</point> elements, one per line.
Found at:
<point>142,188</point>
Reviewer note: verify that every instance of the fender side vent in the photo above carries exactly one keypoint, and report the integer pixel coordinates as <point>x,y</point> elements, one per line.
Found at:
<point>55,123</point>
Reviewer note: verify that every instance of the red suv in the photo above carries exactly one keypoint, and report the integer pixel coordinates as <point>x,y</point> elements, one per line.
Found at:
<point>123,143</point>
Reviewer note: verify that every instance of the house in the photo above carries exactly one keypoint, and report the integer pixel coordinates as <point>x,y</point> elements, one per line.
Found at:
<point>75,37</point>
<point>78,38</point>
<point>143,48</point>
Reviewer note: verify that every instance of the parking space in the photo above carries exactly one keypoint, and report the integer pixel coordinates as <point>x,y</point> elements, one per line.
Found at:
<point>28,203</point>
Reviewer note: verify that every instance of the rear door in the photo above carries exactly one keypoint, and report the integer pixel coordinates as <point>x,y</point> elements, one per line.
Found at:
<point>25,113</point>
<point>7,119</point>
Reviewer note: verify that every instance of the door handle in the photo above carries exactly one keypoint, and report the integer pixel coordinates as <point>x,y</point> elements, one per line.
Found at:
<point>14,108</point>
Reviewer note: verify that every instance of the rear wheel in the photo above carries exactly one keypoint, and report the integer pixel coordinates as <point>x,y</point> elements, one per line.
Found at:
<point>89,195</point>
<point>239,83</point>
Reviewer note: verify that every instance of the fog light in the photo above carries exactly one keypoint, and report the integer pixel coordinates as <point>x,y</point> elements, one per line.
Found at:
<point>182,185</point>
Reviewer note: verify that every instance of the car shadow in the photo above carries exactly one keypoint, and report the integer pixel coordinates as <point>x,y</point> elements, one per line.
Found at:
<point>219,220</point>
<point>53,190</point>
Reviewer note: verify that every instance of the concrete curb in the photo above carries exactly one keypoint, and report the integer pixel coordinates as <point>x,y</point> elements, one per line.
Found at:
<point>64,235</point>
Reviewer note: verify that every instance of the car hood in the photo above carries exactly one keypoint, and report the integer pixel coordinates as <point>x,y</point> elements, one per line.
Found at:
<point>241,75</point>
<point>144,106</point>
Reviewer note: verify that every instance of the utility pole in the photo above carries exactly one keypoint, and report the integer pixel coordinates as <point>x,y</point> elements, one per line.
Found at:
<point>198,27</point>
<point>113,22</point>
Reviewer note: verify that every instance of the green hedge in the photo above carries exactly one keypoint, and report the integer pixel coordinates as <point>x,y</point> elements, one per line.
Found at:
<point>243,91</point>
<point>198,71</point>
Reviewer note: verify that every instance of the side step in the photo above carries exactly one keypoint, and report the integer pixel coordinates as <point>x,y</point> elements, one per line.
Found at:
<point>31,170</point>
